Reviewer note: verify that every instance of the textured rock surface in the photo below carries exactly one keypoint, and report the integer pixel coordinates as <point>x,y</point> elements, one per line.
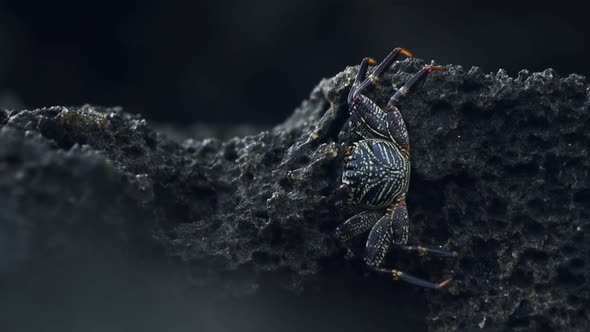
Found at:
<point>500,173</point>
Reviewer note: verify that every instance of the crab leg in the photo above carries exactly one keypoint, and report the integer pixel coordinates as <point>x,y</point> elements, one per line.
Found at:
<point>355,226</point>
<point>393,228</point>
<point>425,250</point>
<point>399,275</point>
<point>374,77</point>
<point>372,121</point>
<point>404,90</point>
<point>360,76</point>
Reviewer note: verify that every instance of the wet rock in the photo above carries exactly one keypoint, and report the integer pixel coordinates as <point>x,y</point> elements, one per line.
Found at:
<point>499,173</point>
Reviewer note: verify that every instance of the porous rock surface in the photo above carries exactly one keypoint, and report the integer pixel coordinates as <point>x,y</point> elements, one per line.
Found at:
<point>499,173</point>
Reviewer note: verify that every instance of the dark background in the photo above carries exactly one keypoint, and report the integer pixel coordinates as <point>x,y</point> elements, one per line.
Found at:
<point>232,61</point>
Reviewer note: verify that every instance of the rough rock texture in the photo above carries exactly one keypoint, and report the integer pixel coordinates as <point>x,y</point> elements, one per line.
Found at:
<point>499,173</point>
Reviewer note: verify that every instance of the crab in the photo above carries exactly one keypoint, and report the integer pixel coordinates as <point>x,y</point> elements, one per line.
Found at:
<point>377,173</point>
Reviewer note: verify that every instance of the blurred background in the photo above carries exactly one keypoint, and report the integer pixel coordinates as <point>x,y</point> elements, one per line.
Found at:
<point>231,61</point>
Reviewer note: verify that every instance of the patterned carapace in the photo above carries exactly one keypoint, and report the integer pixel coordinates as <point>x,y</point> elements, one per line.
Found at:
<point>377,172</point>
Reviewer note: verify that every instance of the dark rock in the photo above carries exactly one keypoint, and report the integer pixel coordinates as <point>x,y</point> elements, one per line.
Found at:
<point>200,131</point>
<point>500,174</point>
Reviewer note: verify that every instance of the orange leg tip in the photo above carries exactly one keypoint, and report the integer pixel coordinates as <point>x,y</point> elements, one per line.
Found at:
<point>444,283</point>
<point>406,53</point>
<point>372,61</point>
<point>435,68</point>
